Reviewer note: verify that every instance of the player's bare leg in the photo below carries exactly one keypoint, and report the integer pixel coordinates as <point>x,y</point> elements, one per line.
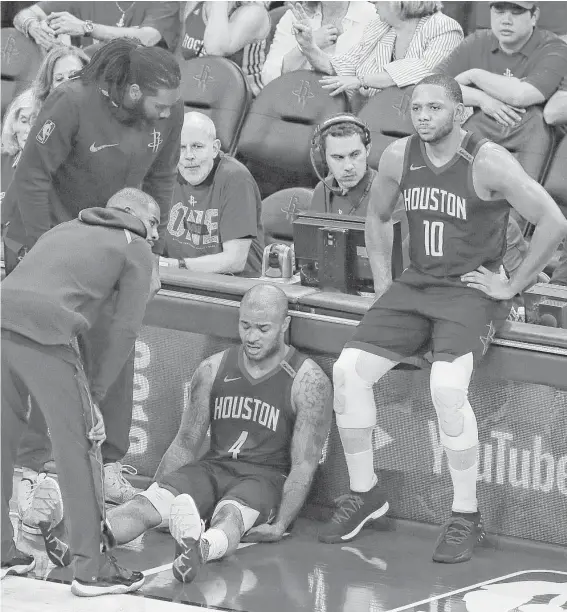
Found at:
<point>354,375</point>
<point>458,433</point>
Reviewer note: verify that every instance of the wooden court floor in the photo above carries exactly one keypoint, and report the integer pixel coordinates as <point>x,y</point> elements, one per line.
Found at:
<point>387,569</point>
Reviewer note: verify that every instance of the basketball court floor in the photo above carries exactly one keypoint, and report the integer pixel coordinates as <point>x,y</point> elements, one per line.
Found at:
<point>387,569</point>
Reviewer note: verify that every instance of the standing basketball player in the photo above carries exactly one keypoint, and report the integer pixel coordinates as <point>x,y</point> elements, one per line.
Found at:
<point>269,411</point>
<point>452,298</point>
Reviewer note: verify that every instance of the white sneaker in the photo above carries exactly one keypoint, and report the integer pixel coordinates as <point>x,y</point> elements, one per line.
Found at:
<point>46,505</point>
<point>186,527</point>
<point>117,490</point>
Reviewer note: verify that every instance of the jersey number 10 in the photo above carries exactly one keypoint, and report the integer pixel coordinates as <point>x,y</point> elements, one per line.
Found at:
<point>433,239</point>
<point>235,448</point>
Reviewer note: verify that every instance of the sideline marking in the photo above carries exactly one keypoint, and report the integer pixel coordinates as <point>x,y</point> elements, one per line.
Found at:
<point>474,586</point>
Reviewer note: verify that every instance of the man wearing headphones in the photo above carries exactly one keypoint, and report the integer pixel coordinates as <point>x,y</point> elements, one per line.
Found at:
<point>343,143</point>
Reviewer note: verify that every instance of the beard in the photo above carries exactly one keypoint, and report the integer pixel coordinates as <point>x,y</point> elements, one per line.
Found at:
<point>132,115</point>
<point>442,132</point>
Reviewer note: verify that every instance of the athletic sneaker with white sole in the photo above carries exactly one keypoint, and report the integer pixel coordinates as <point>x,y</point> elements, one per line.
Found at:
<point>117,490</point>
<point>24,496</point>
<point>19,564</point>
<point>46,504</point>
<point>186,527</point>
<point>353,511</point>
<point>112,580</point>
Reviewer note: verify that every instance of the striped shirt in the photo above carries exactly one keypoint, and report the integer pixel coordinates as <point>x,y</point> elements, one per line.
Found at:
<point>434,38</point>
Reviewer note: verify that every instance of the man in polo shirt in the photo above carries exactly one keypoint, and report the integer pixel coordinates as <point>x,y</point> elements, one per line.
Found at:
<point>346,190</point>
<point>506,75</point>
<point>214,223</point>
<point>152,23</point>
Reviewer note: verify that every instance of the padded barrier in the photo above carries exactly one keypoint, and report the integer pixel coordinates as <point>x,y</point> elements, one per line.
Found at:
<point>523,427</point>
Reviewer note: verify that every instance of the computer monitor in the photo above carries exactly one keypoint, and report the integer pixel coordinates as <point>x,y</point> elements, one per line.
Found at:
<point>330,252</point>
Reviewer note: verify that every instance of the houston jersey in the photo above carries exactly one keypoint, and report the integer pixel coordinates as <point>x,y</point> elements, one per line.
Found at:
<point>252,420</point>
<point>452,230</point>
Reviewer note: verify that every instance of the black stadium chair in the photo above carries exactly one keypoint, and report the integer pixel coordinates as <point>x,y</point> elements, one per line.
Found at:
<point>217,87</point>
<point>556,180</point>
<point>280,210</point>
<point>275,140</point>
<point>387,115</point>
<point>21,59</point>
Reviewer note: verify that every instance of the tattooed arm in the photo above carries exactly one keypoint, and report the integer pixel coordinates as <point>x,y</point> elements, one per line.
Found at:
<point>311,396</point>
<point>195,420</point>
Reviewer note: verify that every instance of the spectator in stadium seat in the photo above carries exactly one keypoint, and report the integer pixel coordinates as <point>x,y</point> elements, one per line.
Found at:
<point>116,124</point>
<point>15,131</point>
<point>337,26</point>
<point>152,23</point>
<point>399,47</point>
<point>555,111</point>
<point>235,30</point>
<point>214,222</point>
<point>57,67</point>
<point>268,408</point>
<point>506,75</point>
<point>344,146</point>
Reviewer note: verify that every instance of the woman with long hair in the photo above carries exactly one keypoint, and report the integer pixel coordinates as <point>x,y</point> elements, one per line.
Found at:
<point>58,66</point>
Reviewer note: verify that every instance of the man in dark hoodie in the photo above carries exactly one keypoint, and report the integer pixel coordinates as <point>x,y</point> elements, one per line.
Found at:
<point>117,124</point>
<point>55,295</point>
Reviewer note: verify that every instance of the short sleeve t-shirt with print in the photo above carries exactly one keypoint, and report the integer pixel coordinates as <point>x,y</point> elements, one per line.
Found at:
<point>162,16</point>
<point>225,206</point>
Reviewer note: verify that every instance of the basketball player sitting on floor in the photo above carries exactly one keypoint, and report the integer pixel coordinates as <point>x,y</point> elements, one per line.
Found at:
<point>269,410</point>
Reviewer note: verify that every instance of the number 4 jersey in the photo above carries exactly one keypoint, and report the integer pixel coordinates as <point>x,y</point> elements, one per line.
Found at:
<point>252,420</point>
<point>452,230</point>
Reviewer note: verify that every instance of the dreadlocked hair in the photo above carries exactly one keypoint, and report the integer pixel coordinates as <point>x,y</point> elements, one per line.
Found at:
<point>124,61</point>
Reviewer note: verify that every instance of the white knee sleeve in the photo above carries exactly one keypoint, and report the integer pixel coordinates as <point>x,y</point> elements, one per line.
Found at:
<point>449,384</point>
<point>354,373</point>
<point>161,499</point>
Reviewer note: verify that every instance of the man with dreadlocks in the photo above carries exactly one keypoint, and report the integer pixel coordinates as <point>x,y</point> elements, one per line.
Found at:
<point>116,124</point>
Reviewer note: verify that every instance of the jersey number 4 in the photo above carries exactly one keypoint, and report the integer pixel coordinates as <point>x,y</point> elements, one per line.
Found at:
<point>235,448</point>
<point>433,239</point>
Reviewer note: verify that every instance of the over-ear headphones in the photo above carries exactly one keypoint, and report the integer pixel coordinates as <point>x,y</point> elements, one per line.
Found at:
<point>321,129</point>
<point>317,150</point>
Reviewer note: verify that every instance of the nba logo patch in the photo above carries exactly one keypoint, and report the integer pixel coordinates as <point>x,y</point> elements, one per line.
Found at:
<point>45,132</point>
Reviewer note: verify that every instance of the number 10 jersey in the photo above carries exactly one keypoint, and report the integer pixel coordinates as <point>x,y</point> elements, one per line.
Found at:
<point>452,230</point>
<point>252,420</point>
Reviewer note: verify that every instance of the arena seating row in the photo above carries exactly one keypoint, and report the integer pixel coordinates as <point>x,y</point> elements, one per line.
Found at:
<point>271,134</point>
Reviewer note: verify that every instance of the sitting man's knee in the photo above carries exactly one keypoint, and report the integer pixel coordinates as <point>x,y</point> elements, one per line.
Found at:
<point>231,512</point>
<point>159,498</point>
<point>448,403</point>
<point>354,375</point>
<point>449,389</point>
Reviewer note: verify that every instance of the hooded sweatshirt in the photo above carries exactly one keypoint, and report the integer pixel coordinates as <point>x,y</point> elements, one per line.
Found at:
<point>100,260</point>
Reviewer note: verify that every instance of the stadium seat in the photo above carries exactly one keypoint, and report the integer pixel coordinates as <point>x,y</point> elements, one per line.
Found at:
<point>21,59</point>
<point>280,210</point>
<point>275,140</point>
<point>387,115</point>
<point>217,87</point>
<point>556,180</point>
